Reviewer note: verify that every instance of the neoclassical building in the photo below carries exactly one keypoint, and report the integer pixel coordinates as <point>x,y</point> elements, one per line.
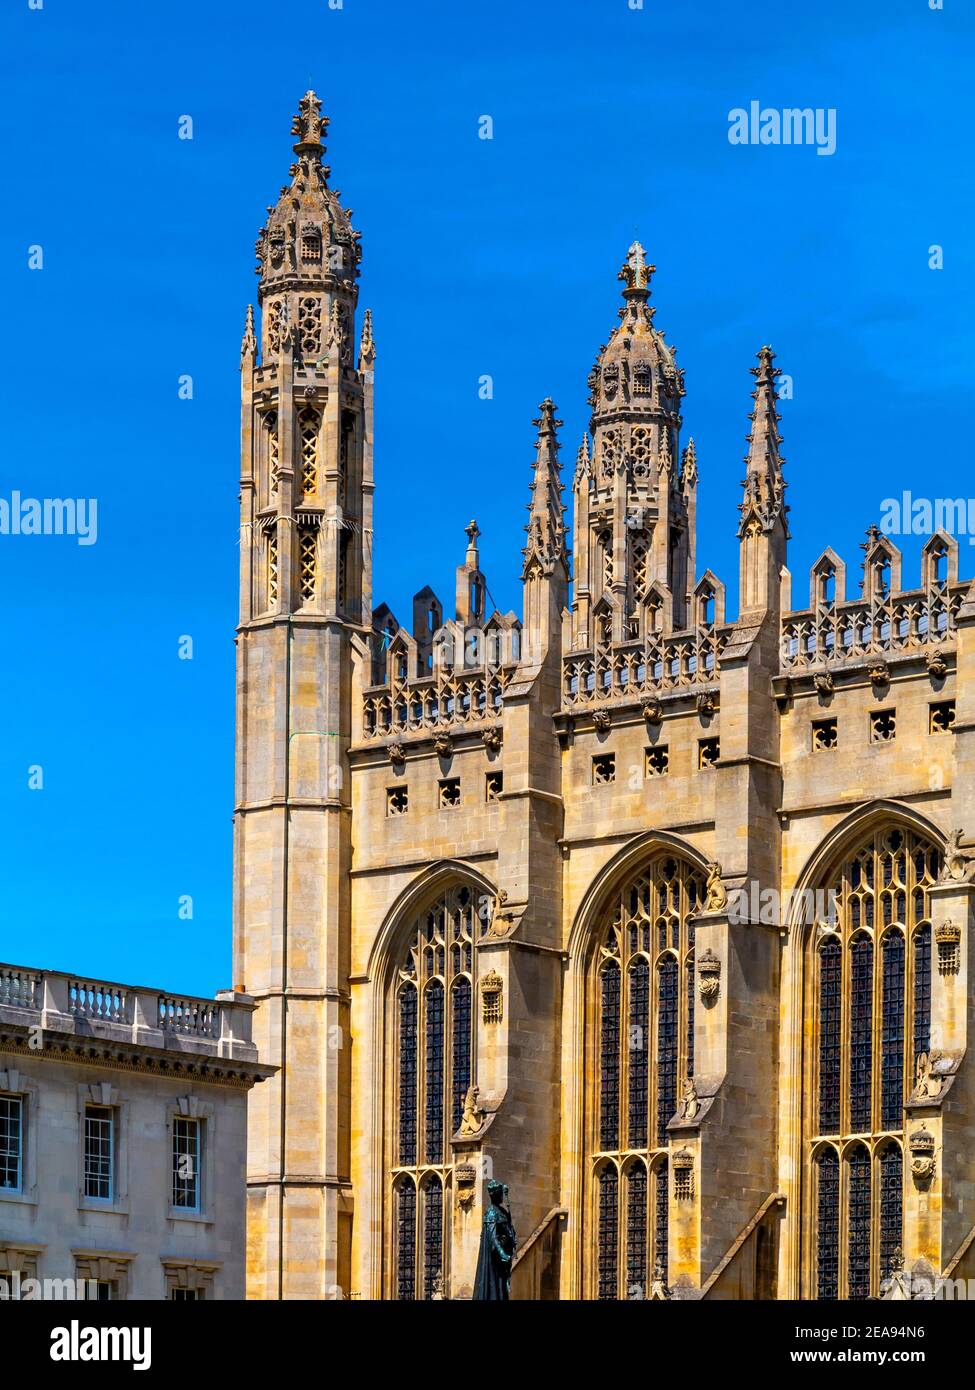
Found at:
<point>656,913</point>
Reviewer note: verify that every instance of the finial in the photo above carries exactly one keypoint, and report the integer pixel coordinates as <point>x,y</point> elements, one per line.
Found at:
<point>664,464</point>
<point>583,460</point>
<point>473,531</point>
<point>309,125</point>
<point>248,346</point>
<point>689,465</point>
<point>367,345</point>
<point>635,270</point>
<point>546,422</point>
<point>873,536</point>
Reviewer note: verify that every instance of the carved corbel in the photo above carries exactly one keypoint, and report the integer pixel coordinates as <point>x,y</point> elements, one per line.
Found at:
<point>880,677</point>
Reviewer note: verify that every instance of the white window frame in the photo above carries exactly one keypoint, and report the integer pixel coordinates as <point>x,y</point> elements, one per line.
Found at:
<point>110,1197</point>
<point>23,1088</point>
<point>17,1188</point>
<point>199,1127</point>
<point>191,1107</point>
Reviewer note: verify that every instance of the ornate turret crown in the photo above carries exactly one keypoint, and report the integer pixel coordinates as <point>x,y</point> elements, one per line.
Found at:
<point>635,378</point>
<point>308,241</point>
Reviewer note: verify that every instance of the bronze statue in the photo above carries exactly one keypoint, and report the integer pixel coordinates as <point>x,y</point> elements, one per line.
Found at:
<point>493,1278</point>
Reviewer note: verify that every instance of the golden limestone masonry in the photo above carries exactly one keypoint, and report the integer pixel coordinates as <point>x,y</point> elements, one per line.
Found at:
<point>658,915</point>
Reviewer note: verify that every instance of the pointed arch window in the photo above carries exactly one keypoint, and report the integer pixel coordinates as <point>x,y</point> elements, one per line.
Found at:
<point>432,1063</point>
<point>641,991</point>
<point>870,997</point>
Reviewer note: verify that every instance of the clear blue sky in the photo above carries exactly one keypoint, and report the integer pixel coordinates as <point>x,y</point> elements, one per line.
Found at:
<point>494,257</point>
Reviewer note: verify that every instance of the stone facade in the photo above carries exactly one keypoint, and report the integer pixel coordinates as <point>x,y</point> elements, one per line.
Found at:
<point>540,895</point>
<point>105,1091</point>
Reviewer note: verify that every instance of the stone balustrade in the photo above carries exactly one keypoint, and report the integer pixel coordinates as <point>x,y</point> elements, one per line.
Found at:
<point>70,1004</point>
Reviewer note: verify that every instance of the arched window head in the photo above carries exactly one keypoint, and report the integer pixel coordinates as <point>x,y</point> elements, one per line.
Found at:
<point>432,1065</point>
<point>869,980</point>
<point>641,1026</point>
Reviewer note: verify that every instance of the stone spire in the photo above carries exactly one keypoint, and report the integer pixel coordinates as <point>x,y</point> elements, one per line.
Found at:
<point>583,460</point>
<point>248,345</point>
<point>763,531</point>
<point>367,344</point>
<point>688,472</point>
<point>546,525</point>
<point>763,484</point>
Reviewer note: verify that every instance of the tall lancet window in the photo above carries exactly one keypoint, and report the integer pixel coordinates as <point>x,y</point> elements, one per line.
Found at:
<point>432,1023</point>
<point>309,421</point>
<point>271,453</point>
<point>308,563</point>
<point>640,1016</point>
<point>271,567</point>
<point>869,974</point>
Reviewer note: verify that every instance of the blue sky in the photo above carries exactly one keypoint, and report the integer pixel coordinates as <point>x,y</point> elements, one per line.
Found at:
<point>479,257</point>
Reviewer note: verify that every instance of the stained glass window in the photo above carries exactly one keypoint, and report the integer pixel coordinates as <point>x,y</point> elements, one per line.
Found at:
<point>608,1240</point>
<point>858,1257</point>
<point>666,1045</point>
<point>433,1068</point>
<point>689,1015</point>
<point>642,986</point>
<point>609,1056</point>
<point>407,1074</point>
<point>865,984</point>
<point>861,1032</point>
<point>638,1041</point>
<point>661,1216</point>
<point>891,1206</point>
<point>406,1239</point>
<point>433,1055</point>
<point>636,1231</point>
<point>922,991</point>
<point>432,1235</point>
<point>830,1017</point>
<point>892,1036</point>
<point>828,1224</point>
<point>460,1075</point>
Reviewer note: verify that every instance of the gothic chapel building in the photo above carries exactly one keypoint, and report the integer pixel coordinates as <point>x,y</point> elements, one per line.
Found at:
<point>502,882</point>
